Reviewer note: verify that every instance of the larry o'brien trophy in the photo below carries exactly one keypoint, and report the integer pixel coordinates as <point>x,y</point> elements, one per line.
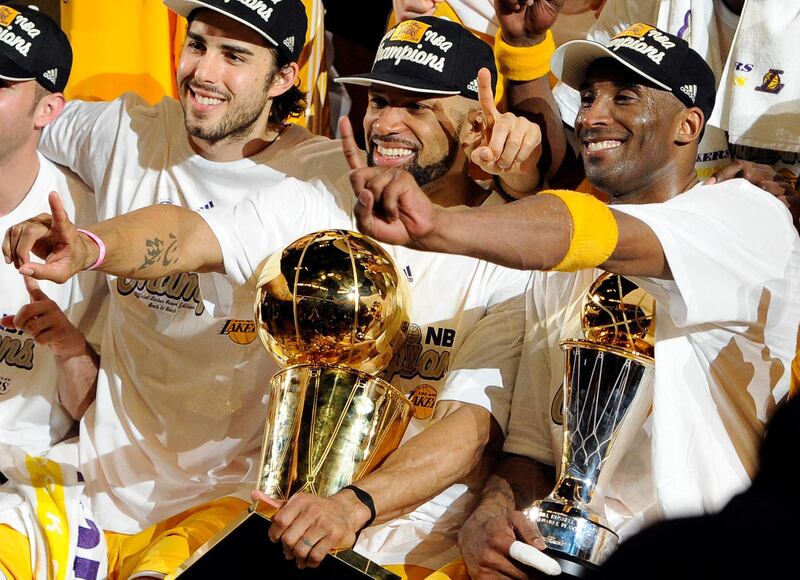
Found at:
<point>332,309</point>
<point>607,397</point>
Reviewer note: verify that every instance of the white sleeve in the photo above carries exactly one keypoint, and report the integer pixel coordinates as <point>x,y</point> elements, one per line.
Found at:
<point>529,425</point>
<point>483,369</point>
<point>83,136</point>
<point>267,221</point>
<point>724,244</point>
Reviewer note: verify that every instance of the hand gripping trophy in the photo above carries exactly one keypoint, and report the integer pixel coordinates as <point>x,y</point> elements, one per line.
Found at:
<point>607,397</point>
<point>332,309</point>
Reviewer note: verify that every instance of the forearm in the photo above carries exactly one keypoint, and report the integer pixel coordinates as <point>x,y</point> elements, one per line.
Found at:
<point>534,101</point>
<point>536,233</point>
<point>529,234</point>
<point>524,55</point>
<point>77,379</point>
<point>444,453</point>
<point>516,482</point>
<point>155,241</point>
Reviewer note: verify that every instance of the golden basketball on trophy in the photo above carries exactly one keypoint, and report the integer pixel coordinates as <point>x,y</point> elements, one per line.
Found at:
<point>607,396</point>
<point>332,308</point>
<point>332,298</point>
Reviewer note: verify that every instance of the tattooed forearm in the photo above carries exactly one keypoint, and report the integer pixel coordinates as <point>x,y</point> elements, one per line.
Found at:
<point>158,251</point>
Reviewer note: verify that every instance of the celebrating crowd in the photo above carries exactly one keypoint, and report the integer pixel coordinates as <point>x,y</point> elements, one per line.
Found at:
<point>516,154</point>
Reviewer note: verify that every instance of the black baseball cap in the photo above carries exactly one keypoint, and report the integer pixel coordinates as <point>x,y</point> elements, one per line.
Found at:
<point>282,22</point>
<point>657,56</point>
<point>429,55</point>
<point>33,47</point>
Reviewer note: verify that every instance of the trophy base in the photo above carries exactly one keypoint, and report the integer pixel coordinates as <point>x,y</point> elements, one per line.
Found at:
<point>243,547</point>
<point>572,535</point>
<point>570,568</point>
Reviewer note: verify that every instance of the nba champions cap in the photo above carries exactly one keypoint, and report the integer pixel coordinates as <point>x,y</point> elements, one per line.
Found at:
<point>429,55</point>
<point>662,58</point>
<point>33,47</point>
<point>282,22</point>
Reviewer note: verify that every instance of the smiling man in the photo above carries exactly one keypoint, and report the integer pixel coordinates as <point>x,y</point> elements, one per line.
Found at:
<point>722,262</point>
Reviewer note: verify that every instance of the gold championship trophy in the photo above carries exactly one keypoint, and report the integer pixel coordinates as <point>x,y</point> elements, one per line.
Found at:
<point>332,308</point>
<point>607,397</point>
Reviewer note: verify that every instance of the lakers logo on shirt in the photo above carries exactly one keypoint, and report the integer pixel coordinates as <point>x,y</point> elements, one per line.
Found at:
<point>424,400</point>
<point>771,83</point>
<point>240,331</point>
<point>7,15</point>
<point>410,31</point>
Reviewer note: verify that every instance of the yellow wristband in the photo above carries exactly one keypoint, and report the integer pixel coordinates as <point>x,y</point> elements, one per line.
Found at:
<point>594,231</point>
<point>523,63</point>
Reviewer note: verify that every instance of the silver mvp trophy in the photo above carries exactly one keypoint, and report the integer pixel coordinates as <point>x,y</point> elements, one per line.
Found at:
<point>607,397</point>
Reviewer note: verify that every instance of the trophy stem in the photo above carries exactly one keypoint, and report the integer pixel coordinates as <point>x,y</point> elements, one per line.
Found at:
<point>605,402</point>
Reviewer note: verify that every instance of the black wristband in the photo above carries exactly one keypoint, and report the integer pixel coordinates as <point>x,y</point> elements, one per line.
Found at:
<point>366,499</point>
<point>502,192</point>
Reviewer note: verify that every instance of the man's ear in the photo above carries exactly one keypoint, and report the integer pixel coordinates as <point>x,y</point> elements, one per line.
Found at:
<point>283,80</point>
<point>474,121</point>
<point>48,108</point>
<point>691,125</point>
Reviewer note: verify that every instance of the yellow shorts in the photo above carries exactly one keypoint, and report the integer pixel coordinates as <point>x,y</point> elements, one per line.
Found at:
<point>455,570</point>
<point>163,547</point>
<point>160,548</point>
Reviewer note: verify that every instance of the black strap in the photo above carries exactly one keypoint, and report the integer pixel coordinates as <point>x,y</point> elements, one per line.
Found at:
<point>366,499</point>
<point>498,187</point>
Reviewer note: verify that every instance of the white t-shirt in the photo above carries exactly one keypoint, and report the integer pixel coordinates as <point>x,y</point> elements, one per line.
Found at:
<point>725,336</point>
<point>713,152</point>
<point>31,415</point>
<point>467,317</point>
<point>180,395</point>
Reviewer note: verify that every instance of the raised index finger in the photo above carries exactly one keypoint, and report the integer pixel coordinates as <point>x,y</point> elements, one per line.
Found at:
<point>351,151</point>
<point>486,99</point>
<point>60,218</point>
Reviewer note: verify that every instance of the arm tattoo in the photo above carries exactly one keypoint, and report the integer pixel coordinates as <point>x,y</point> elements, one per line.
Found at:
<point>157,250</point>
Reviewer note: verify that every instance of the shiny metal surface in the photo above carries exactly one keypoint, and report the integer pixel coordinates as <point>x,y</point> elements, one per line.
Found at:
<point>332,298</point>
<point>327,427</point>
<point>618,313</point>
<point>334,306</point>
<point>607,397</point>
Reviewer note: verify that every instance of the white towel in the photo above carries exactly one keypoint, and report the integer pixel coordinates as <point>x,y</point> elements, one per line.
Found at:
<point>44,500</point>
<point>758,100</point>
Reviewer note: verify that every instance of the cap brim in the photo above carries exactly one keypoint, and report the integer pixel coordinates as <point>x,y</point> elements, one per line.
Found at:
<point>572,60</point>
<point>10,71</point>
<point>397,82</point>
<point>185,7</point>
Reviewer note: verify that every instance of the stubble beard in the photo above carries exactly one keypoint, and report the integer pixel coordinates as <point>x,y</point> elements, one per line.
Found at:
<point>234,125</point>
